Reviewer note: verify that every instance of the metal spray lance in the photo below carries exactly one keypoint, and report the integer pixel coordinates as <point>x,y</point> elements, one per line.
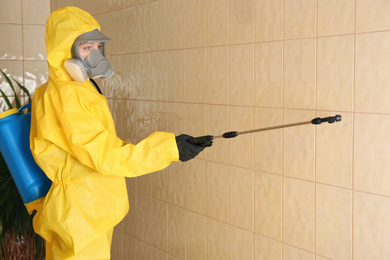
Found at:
<point>207,139</point>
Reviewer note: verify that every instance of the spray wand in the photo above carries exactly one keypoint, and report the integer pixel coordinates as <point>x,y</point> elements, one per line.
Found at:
<point>205,141</point>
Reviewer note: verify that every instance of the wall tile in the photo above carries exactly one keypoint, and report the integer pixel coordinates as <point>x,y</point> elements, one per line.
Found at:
<point>371,84</point>
<point>176,231</point>
<point>334,222</point>
<point>267,249</point>
<point>218,191</point>
<point>372,15</point>
<point>241,244</point>
<point>176,61</point>
<point>12,49</point>
<point>298,145</point>
<point>116,113</point>
<point>121,4</point>
<point>123,37</point>
<point>143,184</point>
<point>129,245</point>
<point>158,66</point>
<point>217,239</point>
<point>13,69</point>
<point>130,221</point>
<point>122,83</point>
<point>241,75</point>
<point>35,74</point>
<point>195,236</point>
<point>242,148</point>
<point>143,28</point>
<point>196,122</point>
<point>176,118</point>
<point>196,75</point>
<point>371,234</point>
<point>159,225</point>
<point>196,186</point>
<point>143,82</point>
<point>269,74</point>
<point>56,4</point>
<point>160,185</point>
<point>116,245</point>
<point>335,73</point>
<point>177,184</point>
<point>299,18</point>
<point>334,151</point>
<point>293,253</point>
<point>241,198</point>
<point>299,74</point>
<point>336,17</point>
<point>268,205</point>
<point>11,11</point>
<point>35,11</point>
<point>217,22</point>
<point>93,7</point>
<point>143,76</point>
<point>128,122</point>
<point>195,23</point>
<point>217,123</point>
<point>131,184</point>
<point>150,118</point>
<point>157,254</point>
<point>142,249</point>
<point>268,20</point>
<point>176,26</point>
<point>298,214</point>
<point>217,75</point>
<point>268,144</point>
<point>143,206</point>
<point>158,35</point>
<point>241,24</point>
<point>371,152</point>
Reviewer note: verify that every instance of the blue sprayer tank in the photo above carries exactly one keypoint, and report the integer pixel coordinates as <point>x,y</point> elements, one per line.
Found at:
<point>31,181</point>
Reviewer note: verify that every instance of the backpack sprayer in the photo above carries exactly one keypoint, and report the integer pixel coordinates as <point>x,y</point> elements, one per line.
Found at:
<point>30,180</point>
<point>206,140</point>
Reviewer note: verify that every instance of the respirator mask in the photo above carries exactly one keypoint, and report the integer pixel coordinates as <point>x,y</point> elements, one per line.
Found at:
<point>95,65</point>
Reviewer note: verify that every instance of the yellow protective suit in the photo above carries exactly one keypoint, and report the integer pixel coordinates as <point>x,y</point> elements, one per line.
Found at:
<point>73,140</point>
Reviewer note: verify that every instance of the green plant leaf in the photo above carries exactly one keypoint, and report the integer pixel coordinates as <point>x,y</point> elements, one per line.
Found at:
<point>17,101</point>
<point>6,99</point>
<point>25,90</point>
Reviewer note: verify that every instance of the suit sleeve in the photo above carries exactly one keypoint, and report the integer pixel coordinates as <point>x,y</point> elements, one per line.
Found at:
<point>80,132</point>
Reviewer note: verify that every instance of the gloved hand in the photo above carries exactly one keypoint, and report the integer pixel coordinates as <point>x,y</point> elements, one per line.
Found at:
<point>187,151</point>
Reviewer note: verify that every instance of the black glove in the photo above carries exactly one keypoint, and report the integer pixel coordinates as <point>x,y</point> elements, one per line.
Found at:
<point>187,151</point>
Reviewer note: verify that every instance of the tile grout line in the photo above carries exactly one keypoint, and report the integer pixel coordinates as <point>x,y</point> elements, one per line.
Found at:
<point>229,124</point>
<point>282,133</point>
<point>315,132</point>
<point>353,135</point>
<point>254,137</point>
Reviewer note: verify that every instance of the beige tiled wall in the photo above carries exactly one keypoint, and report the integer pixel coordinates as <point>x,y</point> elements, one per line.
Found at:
<point>209,66</point>
<point>22,44</point>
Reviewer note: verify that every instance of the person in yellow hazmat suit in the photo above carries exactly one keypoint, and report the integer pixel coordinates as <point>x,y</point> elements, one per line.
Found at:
<point>73,140</point>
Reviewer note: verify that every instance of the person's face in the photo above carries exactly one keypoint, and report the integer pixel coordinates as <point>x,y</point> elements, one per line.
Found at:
<point>86,47</point>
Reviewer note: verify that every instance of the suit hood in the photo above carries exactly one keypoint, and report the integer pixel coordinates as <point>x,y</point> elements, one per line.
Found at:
<point>62,28</point>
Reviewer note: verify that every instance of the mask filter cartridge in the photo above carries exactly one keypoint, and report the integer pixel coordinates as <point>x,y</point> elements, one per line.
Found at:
<point>76,70</point>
